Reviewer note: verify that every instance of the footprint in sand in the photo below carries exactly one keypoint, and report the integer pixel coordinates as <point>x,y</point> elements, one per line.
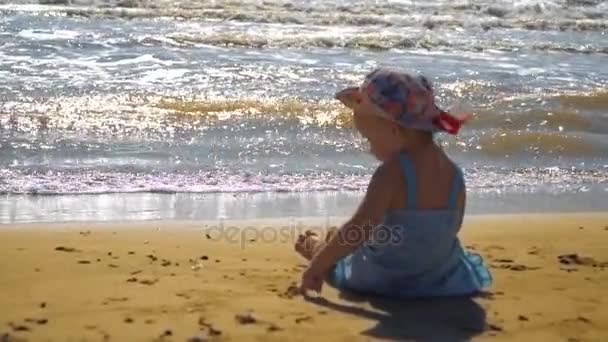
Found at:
<point>143,281</point>
<point>210,329</point>
<point>183,295</point>
<point>575,259</point>
<point>114,300</point>
<point>148,281</point>
<point>493,248</point>
<point>6,337</point>
<point>18,327</point>
<point>39,321</point>
<point>292,291</point>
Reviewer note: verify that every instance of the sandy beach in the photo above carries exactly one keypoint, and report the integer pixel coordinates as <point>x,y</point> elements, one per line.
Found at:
<point>177,281</point>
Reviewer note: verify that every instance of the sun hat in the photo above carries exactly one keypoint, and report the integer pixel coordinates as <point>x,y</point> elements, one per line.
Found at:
<point>402,98</point>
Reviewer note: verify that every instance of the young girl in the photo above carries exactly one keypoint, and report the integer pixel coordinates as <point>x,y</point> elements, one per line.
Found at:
<point>402,241</point>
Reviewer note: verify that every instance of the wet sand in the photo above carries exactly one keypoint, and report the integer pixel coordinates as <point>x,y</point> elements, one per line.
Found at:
<point>177,281</point>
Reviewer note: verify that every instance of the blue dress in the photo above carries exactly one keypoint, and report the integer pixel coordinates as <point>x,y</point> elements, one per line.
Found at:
<point>415,253</point>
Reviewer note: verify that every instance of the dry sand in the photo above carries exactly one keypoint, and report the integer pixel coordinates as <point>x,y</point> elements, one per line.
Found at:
<point>168,281</point>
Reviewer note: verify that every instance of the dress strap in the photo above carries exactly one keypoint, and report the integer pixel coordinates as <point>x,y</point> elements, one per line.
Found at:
<point>457,185</point>
<point>410,179</point>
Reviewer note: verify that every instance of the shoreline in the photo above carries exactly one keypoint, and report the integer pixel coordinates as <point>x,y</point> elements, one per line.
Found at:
<point>204,207</point>
<point>283,222</point>
<point>124,281</point>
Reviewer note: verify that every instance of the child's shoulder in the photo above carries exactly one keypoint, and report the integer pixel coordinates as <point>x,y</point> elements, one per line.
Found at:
<point>389,174</point>
<point>390,168</point>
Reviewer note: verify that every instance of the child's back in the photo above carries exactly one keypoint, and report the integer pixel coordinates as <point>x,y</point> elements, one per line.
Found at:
<point>416,251</point>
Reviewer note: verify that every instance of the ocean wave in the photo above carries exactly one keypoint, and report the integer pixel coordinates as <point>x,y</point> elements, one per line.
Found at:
<point>558,126</point>
<point>367,41</point>
<point>537,16</point>
<point>568,112</point>
<point>594,101</point>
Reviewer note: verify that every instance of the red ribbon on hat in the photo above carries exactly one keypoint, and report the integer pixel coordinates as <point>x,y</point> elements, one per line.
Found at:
<point>449,123</point>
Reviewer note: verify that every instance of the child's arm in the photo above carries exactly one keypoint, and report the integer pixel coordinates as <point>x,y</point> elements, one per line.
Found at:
<point>359,228</point>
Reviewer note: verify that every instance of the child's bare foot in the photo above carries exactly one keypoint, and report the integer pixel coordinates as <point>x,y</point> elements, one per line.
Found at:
<point>306,244</point>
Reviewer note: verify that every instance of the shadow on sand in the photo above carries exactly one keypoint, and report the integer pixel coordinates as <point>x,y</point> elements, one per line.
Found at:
<point>428,319</point>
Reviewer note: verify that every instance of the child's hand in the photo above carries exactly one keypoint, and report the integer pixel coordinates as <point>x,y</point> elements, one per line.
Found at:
<point>312,280</point>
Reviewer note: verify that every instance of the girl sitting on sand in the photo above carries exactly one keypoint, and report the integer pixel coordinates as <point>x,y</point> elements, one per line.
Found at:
<point>402,241</point>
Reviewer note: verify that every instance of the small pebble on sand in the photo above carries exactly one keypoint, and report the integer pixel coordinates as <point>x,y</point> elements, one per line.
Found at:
<point>245,318</point>
<point>66,249</point>
<point>272,328</point>
<point>584,319</point>
<point>494,327</point>
<point>303,319</point>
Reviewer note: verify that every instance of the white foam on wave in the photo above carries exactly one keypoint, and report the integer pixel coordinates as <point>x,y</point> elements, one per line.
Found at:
<point>162,75</point>
<point>38,34</point>
<point>88,181</point>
